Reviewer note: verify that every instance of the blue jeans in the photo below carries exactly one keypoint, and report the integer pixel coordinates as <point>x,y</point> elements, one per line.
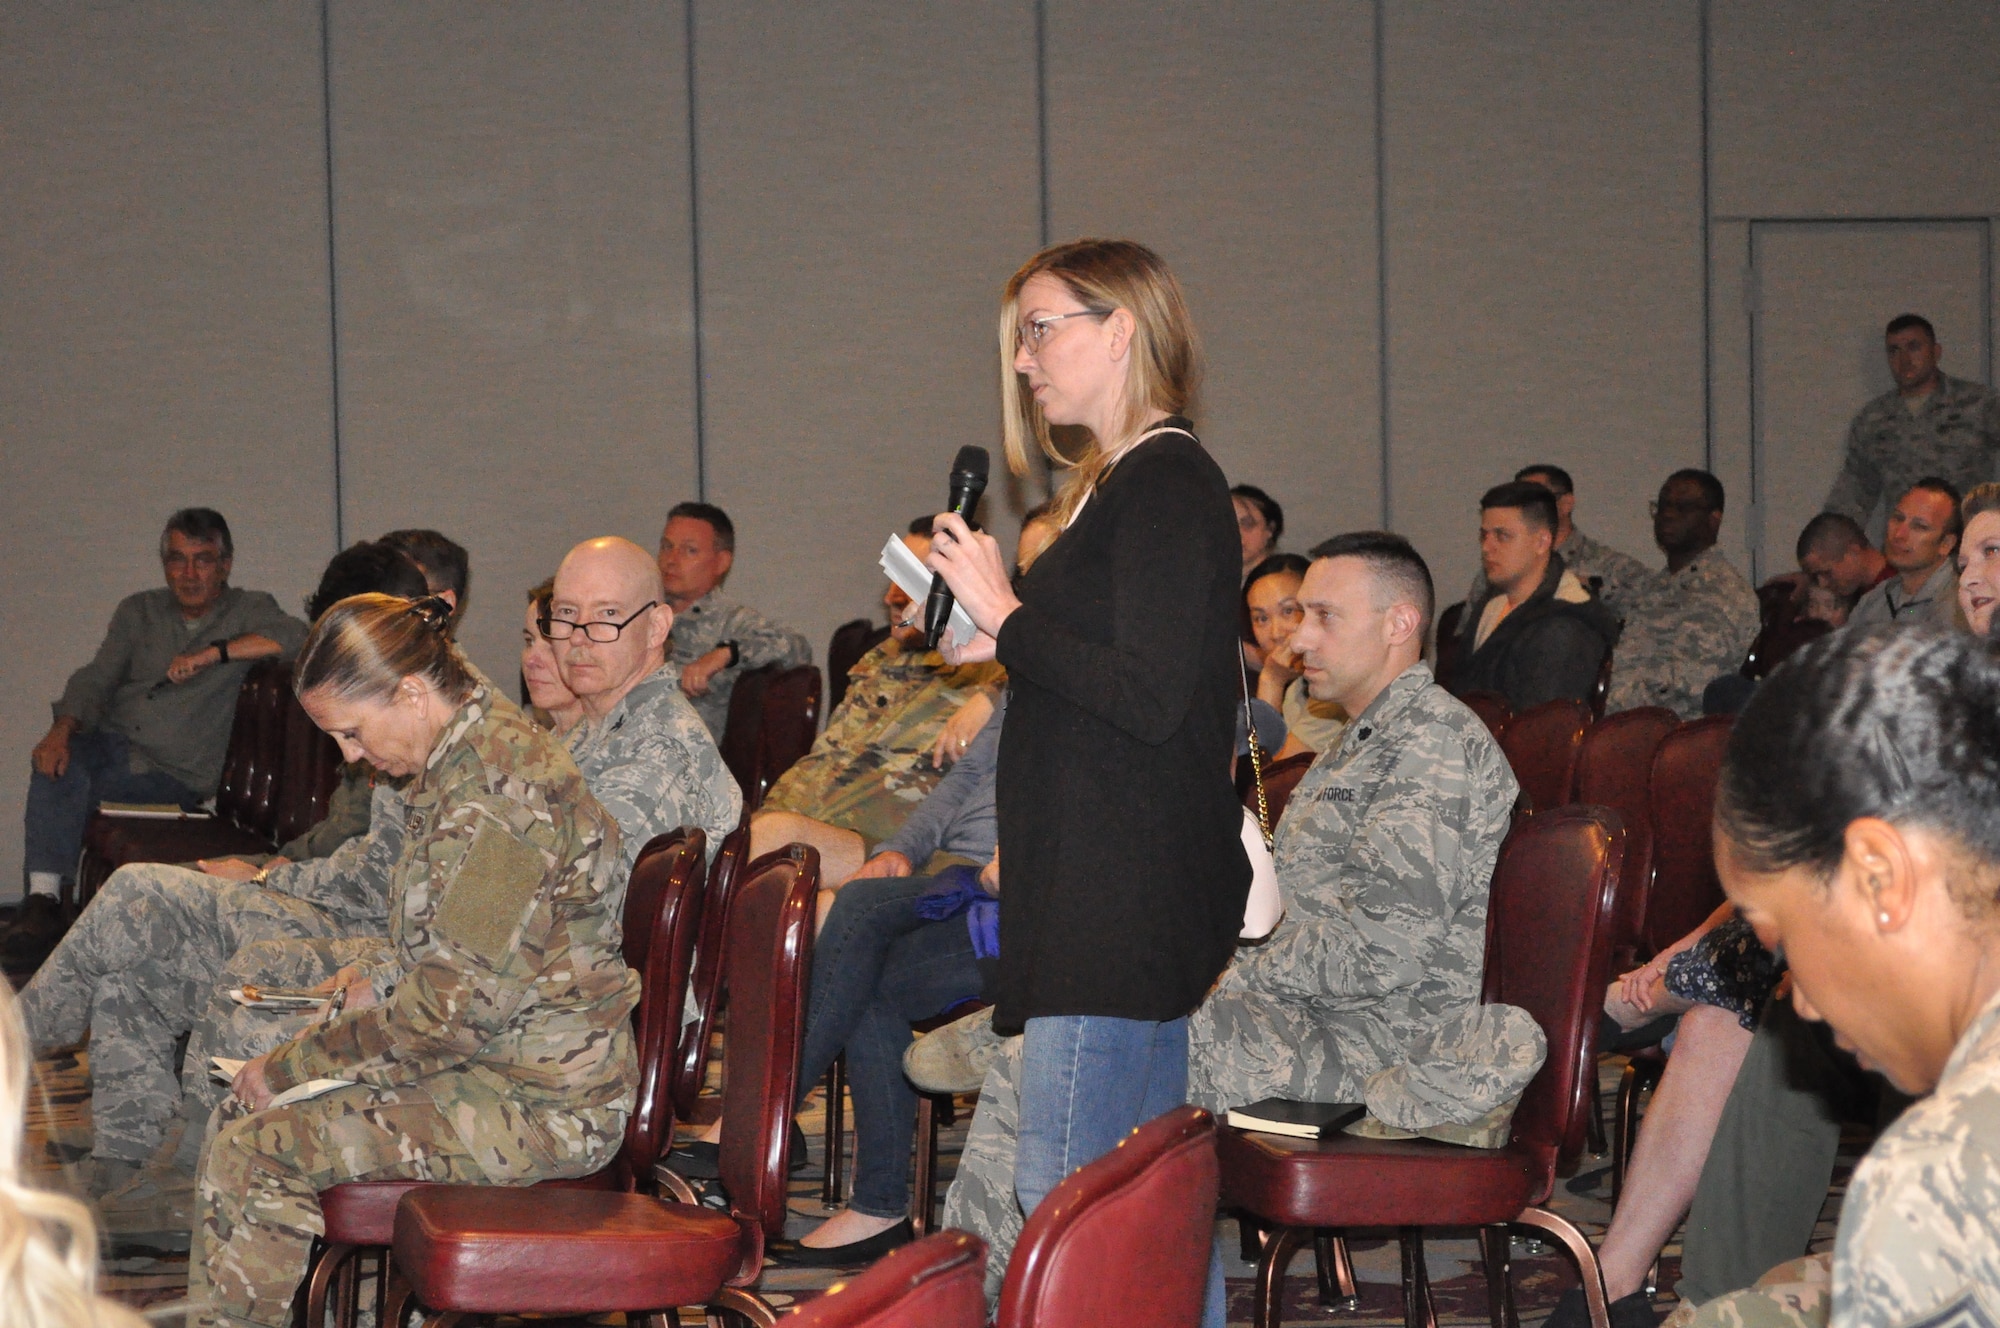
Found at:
<point>1087,1081</point>
<point>99,770</point>
<point>877,966</point>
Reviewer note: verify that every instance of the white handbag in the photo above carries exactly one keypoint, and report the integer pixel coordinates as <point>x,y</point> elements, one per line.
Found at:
<point>1265,908</point>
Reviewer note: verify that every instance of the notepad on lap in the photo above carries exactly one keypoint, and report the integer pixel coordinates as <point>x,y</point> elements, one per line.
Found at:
<point>1300,1120</point>
<point>908,572</point>
<point>223,1070</point>
<point>153,811</point>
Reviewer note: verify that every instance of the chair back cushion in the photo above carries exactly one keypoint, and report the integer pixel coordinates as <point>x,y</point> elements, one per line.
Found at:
<point>743,732</point>
<point>663,906</point>
<point>1685,887</point>
<point>773,715</point>
<point>1548,950</point>
<point>1448,623</point>
<point>310,771</point>
<point>851,640</point>
<point>1124,1239</point>
<point>1542,745</point>
<point>239,759</point>
<point>1615,770</point>
<point>935,1282</point>
<point>710,987</point>
<point>770,964</point>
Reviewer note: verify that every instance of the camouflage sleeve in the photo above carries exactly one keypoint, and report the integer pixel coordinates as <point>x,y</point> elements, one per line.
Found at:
<point>759,641</point>
<point>495,912</point>
<point>1389,916</point>
<point>1916,1228</point>
<point>346,816</point>
<point>1626,579</point>
<point>668,783</point>
<point>1859,483</point>
<point>352,882</point>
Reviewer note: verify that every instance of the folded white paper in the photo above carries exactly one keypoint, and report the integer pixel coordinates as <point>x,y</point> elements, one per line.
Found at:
<point>909,572</point>
<point>224,1071</point>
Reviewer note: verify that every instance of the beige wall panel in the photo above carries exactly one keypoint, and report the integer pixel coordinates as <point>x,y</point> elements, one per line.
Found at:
<point>1544,257</point>
<point>1238,141</point>
<point>868,182</point>
<point>163,308</point>
<point>1860,108</point>
<point>516,335</point>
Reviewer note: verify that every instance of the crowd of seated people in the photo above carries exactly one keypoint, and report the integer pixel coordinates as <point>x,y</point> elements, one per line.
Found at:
<point>459,904</point>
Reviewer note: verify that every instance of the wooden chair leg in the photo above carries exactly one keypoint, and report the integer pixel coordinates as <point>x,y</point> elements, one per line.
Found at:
<point>1336,1271</point>
<point>1268,1305</point>
<point>836,1129</point>
<point>1594,1298</point>
<point>1496,1253</point>
<point>1419,1310</point>
<point>923,1210</point>
<point>327,1273</point>
<point>1593,1120</point>
<point>741,1306</point>
<point>1623,1124</point>
<point>395,1298</point>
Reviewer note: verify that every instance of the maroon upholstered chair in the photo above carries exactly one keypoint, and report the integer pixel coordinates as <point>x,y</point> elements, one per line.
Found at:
<point>1685,888</point>
<point>307,778</point>
<point>710,985</point>
<point>662,917</point>
<point>851,640</point>
<point>935,1282</point>
<point>487,1250</point>
<point>1600,690</point>
<point>1124,1239</point>
<point>1542,744</point>
<point>245,809</point>
<point>1777,641</point>
<point>1280,778</point>
<point>1548,950</point>
<point>1492,709</point>
<point>1448,623</point>
<point>773,715</point>
<point>1615,770</point>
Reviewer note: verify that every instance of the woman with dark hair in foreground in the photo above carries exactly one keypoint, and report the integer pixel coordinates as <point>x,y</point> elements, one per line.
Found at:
<point>1855,830</point>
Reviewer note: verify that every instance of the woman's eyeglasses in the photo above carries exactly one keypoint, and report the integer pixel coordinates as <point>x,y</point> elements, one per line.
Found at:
<point>1035,331</point>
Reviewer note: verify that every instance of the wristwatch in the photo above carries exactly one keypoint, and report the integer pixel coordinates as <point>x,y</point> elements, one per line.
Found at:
<point>222,649</point>
<point>735,654</point>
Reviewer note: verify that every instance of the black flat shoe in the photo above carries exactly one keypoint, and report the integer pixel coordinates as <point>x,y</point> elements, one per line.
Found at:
<point>703,1161</point>
<point>853,1254</point>
<point>1633,1311</point>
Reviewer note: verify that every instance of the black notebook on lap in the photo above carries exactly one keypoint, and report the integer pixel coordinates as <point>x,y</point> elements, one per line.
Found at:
<point>1300,1120</point>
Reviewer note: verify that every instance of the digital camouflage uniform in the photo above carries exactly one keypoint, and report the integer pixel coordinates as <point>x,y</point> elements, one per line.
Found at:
<point>1385,855</point>
<point>1919,1237</point>
<point>346,815</point>
<point>1954,434</point>
<point>655,768</point>
<point>139,966</point>
<point>715,618</point>
<point>1690,628</point>
<point>503,1052</point>
<point>872,765</point>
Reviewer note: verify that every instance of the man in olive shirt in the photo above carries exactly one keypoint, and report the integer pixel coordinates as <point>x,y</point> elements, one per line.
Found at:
<point>146,720</point>
<point>715,638</point>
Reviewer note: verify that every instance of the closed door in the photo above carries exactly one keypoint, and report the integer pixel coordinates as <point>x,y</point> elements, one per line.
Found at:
<point>1820,295</point>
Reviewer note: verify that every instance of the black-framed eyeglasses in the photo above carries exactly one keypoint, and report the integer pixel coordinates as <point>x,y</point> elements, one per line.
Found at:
<point>1035,331</point>
<point>598,630</point>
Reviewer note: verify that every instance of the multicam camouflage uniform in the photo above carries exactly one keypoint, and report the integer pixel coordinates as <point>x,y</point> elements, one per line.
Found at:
<point>1692,627</point>
<point>872,765</point>
<point>1919,1238</point>
<point>140,965</point>
<point>502,1054</point>
<point>715,618</point>
<point>1385,854</point>
<point>1954,434</point>
<point>655,768</point>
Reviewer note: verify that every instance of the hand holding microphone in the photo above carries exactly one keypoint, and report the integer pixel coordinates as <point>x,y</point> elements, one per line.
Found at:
<point>968,485</point>
<point>973,572</point>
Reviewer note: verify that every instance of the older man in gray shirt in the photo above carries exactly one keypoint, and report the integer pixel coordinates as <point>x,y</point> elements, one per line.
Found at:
<point>147,719</point>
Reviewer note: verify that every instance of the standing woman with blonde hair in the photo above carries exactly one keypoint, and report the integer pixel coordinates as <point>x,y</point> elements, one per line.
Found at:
<point>1124,876</point>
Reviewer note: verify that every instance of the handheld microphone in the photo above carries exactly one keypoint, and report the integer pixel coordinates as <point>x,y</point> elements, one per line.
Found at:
<point>968,483</point>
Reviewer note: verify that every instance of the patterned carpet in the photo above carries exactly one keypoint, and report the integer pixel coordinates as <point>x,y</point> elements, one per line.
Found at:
<point>153,1273</point>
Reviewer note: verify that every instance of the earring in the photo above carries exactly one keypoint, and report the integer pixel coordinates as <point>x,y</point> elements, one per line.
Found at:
<point>1882,918</point>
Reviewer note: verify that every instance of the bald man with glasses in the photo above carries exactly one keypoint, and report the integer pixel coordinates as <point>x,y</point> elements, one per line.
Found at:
<point>643,750</point>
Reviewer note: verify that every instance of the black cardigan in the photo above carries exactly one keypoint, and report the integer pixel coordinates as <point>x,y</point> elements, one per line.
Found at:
<point>1123,875</point>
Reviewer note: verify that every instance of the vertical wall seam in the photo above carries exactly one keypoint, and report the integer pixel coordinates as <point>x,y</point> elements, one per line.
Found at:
<point>1382,264</point>
<point>1707,259</point>
<point>332,264</point>
<point>1042,112</point>
<point>694,263</point>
